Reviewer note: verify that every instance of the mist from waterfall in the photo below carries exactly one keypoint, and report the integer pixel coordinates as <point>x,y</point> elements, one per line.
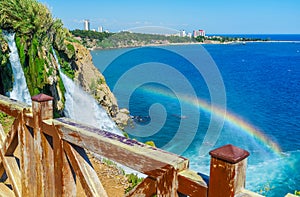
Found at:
<point>20,90</point>
<point>82,107</point>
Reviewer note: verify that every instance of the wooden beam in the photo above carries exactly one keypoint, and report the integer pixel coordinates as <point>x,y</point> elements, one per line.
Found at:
<point>167,182</point>
<point>42,109</point>
<point>64,181</point>
<point>13,172</point>
<point>2,135</point>
<point>38,151</point>
<point>146,188</point>
<point>84,171</point>
<point>227,171</point>
<point>5,191</point>
<point>2,139</point>
<point>11,141</point>
<point>48,165</point>
<point>27,162</point>
<point>12,107</point>
<point>120,149</point>
<point>192,184</point>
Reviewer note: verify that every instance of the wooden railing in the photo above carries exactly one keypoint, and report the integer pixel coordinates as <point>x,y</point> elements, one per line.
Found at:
<point>42,156</point>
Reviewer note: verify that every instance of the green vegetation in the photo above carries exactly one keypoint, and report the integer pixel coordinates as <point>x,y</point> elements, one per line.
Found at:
<point>127,39</point>
<point>150,143</point>
<point>223,39</point>
<point>134,180</point>
<point>126,134</point>
<point>297,193</point>
<point>5,68</point>
<point>65,66</point>
<point>6,121</point>
<point>93,39</point>
<point>90,39</point>
<point>36,33</point>
<point>91,34</point>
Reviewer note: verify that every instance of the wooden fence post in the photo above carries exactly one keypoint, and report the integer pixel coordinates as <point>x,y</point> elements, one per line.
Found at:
<point>42,109</point>
<point>227,171</point>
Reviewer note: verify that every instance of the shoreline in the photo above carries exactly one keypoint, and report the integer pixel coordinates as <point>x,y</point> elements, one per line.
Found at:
<point>194,43</point>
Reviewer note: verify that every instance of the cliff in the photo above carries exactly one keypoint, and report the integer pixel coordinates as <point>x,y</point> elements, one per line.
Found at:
<point>92,81</point>
<point>37,35</point>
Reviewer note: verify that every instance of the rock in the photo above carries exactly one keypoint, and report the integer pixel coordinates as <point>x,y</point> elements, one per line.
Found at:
<point>122,118</point>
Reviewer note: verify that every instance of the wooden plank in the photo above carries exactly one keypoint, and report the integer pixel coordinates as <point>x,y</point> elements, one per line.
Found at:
<point>28,120</point>
<point>64,182</point>
<point>120,149</point>
<point>27,162</point>
<point>2,139</point>
<point>2,135</point>
<point>42,108</point>
<point>192,184</point>
<point>10,143</point>
<point>5,191</point>
<point>84,171</point>
<point>12,107</point>
<point>48,165</point>
<point>167,182</point>
<point>11,140</point>
<point>247,193</point>
<point>13,172</point>
<point>146,188</point>
<point>38,151</point>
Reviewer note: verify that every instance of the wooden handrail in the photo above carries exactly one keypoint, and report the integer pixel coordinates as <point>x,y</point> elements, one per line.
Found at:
<point>52,156</point>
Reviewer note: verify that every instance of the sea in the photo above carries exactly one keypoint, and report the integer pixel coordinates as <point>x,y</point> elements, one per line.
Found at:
<point>190,99</point>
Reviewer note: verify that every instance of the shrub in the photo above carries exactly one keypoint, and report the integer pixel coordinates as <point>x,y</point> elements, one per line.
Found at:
<point>134,180</point>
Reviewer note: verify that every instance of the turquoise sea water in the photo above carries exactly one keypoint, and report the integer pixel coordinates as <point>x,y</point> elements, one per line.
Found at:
<point>262,90</point>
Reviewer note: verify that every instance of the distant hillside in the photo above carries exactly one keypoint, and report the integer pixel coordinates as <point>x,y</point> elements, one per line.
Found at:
<point>104,40</point>
<point>125,39</point>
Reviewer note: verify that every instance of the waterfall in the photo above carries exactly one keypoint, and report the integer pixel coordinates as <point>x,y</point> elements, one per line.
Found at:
<point>82,107</point>
<point>20,91</point>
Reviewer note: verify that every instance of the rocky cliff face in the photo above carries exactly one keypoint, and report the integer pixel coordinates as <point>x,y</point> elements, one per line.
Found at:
<point>92,81</point>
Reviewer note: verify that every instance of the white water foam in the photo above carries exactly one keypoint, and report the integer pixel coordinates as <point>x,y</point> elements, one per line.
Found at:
<point>82,107</point>
<point>20,90</point>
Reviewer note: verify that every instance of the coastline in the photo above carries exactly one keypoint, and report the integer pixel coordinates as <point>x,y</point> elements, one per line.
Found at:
<point>194,43</point>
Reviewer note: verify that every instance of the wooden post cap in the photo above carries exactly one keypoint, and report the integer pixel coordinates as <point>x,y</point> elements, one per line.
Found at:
<point>230,154</point>
<point>41,98</point>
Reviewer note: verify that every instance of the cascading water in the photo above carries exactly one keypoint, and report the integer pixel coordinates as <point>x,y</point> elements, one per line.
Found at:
<point>82,107</point>
<point>20,91</point>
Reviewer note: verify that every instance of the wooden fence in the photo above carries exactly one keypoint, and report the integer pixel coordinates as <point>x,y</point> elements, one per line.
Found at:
<point>42,156</point>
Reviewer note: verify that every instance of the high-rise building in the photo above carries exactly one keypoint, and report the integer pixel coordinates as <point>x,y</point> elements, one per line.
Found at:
<point>86,25</point>
<point>100,29</point>
<point>197,33</point>
<point>182,33</point>
<point>202,32</point>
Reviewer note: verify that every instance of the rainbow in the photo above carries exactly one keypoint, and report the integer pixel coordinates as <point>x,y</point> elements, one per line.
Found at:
<point>230,118</point>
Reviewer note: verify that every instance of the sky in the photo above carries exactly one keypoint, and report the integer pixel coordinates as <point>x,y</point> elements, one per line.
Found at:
<point>214,16</point>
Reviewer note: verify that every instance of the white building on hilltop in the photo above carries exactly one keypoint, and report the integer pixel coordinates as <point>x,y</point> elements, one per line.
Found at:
<point>100,29</point>
<point>182,33</point>
<point>197,33</point>
<point>86,25</point>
